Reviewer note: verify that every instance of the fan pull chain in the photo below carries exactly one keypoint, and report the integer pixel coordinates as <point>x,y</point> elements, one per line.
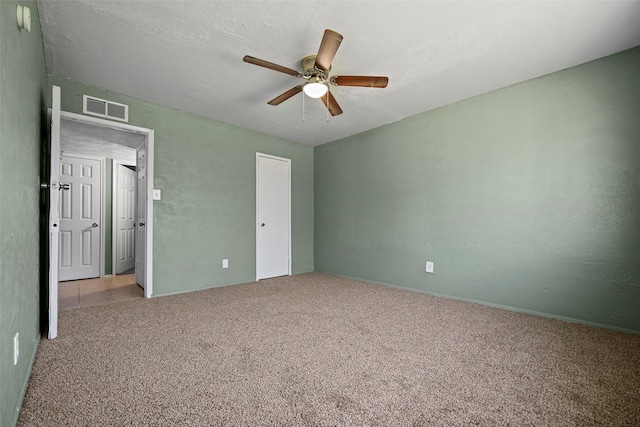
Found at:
<point>303,106</point>
<point>327,106</point>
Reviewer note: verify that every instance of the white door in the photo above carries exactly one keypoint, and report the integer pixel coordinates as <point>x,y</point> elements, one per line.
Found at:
<point>54,179</point>
<point>141,233</point>
<point>125,218</point>
<point>273,215</point>
<point>80,218</point>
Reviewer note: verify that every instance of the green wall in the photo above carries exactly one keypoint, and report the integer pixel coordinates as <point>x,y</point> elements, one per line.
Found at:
<point>527,197</point>
<point>206,171</point>
<point>22,116</point>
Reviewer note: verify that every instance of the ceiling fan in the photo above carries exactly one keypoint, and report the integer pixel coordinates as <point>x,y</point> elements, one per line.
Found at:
<point>315,69</point>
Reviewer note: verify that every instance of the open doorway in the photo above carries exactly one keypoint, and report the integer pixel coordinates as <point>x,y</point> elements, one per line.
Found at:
<point>103,195</point>
<point>123,204</point>
<point>119,135</point>
<point>113,152</point>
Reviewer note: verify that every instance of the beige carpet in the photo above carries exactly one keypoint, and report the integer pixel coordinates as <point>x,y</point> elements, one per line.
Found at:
<point>316,349</point>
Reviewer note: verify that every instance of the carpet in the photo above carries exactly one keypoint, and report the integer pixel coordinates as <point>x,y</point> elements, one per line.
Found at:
<point>319,350</point>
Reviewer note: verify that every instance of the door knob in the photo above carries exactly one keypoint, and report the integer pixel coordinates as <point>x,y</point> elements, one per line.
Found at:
<point>141,224</point>
<point>262,225</point>
<point>95,224</point>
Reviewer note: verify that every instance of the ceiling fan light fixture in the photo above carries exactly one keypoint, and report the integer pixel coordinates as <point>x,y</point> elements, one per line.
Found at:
<point>316,71</point>
<point>315,89</point>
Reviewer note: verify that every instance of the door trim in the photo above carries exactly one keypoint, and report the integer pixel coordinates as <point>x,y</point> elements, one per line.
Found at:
<point>148,289</point>
<point>150,140</point>
<point>288,161</point>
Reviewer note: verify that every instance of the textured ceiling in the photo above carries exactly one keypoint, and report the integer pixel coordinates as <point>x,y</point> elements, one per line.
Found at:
<point>86,139</point>
<point>188,54</point>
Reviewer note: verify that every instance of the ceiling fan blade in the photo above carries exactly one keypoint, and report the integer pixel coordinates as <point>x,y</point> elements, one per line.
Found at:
<point>332,105</point>
<point>271,66</point>
<point>362,81</point>
<point>288,94</point>
<point>328,48</point>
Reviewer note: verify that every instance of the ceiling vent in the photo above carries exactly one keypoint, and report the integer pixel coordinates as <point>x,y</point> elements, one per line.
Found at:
<point>102,108</point>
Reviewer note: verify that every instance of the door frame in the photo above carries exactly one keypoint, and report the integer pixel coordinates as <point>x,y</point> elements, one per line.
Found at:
<point>103,189</point>
<point>54,161</point>
<point>114,232</point>
<point>149,142</point>
<point>288,161</point>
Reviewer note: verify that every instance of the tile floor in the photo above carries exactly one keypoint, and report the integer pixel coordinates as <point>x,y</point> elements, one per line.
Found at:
<point>107,290</point>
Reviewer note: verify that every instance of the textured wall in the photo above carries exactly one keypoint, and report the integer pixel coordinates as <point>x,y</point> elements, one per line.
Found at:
<point>526,197</point>
<point>206,170</point>
<point>22,100</point>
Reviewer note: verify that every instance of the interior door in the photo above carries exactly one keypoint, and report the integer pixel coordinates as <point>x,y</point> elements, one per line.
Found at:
<point>273,214</point>
<point>54,180</point>
<point>141,229</point>
<point>79,207</point>
<point>125,220</point>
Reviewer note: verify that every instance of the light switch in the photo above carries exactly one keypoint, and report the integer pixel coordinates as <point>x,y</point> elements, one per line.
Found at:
<point>156,194</point>
<point>225,263</point>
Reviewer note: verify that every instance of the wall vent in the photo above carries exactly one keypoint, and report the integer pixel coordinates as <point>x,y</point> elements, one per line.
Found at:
<point>103,108</point>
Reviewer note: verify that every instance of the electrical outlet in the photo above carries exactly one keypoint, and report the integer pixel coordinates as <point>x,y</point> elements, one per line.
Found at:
<point>429,267</point>
<point>225,263</point>
<point>16,348</point>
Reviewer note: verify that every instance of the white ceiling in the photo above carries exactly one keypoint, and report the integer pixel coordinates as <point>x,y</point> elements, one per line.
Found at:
<point>92,140</point>
<point>188,54</point>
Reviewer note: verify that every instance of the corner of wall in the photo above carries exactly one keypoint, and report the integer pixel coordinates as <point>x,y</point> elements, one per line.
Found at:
<point>23,102</point>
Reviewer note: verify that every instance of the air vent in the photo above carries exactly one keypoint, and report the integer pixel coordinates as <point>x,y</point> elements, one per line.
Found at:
<point>102,108</point>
